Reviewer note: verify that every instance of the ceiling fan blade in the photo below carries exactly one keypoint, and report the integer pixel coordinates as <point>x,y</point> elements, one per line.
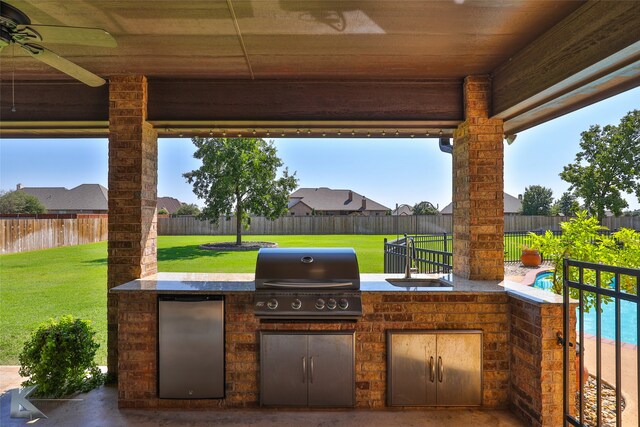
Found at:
<point>56,61</point>
<point>65,35</point>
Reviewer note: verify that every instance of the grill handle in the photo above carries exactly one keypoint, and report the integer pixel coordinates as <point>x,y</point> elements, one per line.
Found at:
<point>306,285</point>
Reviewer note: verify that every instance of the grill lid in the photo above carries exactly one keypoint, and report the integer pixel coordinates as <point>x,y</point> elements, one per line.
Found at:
<point>307,268</point>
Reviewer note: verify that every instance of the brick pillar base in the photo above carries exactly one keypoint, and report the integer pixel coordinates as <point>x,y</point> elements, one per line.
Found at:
<point>133,171</point>
<point>536,390</point>
<point>478,186</point>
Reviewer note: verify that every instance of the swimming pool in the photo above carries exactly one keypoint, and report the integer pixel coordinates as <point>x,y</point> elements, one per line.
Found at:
<point>628,315</point>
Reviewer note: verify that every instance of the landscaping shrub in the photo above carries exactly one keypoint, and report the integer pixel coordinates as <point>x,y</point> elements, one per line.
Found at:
<point>581,241</point>
<point>59,358</point>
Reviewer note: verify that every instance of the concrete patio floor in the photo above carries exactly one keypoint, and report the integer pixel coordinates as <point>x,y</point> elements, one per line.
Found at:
<point>99,408</point>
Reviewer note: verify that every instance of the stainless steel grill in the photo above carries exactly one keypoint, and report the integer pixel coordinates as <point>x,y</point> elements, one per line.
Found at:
<point>307,283</point>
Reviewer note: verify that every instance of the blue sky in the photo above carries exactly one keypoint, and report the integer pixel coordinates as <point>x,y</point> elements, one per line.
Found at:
<point>388,171</point>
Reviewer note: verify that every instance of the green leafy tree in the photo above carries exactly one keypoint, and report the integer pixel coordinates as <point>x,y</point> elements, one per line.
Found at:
<point>163,211</point>
<point>566,205</point>
<point>608,164</point>
<point>187,209</point>
<point>537,200</point>
<point>581,240</point>
<point>16,202</point>
<point>239,175</point>
<point>424,208</point>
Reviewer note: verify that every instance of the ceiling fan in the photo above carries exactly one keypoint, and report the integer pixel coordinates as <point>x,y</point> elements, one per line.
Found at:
<point>16,27</point>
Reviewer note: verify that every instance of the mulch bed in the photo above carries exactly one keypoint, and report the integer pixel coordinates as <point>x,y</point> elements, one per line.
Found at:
<point>231,246</point>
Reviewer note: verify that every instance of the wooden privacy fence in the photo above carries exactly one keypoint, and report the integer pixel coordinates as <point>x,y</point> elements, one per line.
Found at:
<point>21,235</point>
<point>425,224</point>
<point>389,225</point>
<point>26,234</point>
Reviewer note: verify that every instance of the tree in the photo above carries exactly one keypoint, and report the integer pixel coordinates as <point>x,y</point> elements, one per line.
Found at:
<point>537,200</point>
<point>187,209</point>
<point>566,205</point>
<point>239,175</point>
<point>17,202</point>
<point>608,164</point>
<point>424,208</point>
<point>163,211</point>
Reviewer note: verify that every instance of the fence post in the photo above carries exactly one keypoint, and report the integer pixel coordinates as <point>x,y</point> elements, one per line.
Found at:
<point>444,241</point>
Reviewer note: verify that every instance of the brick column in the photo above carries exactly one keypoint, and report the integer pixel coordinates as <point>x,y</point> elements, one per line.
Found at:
<point>536,389</point>
<point>478,185</point>
<point>133,178</point>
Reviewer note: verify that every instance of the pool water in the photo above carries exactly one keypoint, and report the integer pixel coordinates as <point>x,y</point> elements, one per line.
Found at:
<point>628,315</point>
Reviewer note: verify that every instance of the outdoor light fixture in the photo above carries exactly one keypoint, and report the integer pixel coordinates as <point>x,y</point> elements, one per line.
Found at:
<point>510,138</point>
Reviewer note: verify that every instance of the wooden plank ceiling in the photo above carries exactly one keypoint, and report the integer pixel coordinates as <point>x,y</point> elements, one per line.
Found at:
<point>297,63</point>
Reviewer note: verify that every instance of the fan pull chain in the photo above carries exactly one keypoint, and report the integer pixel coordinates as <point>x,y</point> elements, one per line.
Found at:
<point>13,77</point>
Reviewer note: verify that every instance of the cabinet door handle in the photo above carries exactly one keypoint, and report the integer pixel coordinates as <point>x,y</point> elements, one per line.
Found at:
<point>304,369</point>
<point>440,369</point>
<point>311,371</point>
<point>432,370</point>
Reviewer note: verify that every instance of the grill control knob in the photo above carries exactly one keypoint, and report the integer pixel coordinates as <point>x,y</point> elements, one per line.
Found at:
<point>331,304</point>
<point>343,303</point>
<point>296,304</point>
<point>272,303</point>
<point>320,304</point>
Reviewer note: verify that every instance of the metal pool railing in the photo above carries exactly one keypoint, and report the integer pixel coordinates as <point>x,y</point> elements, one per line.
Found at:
<point>594,285</point>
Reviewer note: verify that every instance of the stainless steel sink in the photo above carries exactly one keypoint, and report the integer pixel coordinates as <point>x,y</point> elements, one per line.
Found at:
<point>420,283</point>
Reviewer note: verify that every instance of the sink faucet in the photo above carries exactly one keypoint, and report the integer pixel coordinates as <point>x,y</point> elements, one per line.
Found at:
<point>409,244</point>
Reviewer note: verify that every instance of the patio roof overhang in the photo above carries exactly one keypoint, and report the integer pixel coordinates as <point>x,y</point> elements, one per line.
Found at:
<point>325,67</point>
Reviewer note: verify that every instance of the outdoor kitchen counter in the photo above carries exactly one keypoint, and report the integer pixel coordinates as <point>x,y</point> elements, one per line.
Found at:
<point>515,320</point>
<point>243,282</point>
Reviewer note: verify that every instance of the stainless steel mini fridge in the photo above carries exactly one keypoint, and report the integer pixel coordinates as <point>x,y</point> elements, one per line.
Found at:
<point>191,346</point>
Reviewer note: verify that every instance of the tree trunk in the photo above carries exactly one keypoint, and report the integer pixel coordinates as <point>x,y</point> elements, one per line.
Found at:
<point>238,224</point>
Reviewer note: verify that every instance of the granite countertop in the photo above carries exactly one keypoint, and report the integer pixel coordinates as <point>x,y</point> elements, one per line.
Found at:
<point>244,282</point>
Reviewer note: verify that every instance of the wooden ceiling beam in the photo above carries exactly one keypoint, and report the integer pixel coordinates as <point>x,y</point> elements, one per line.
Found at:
<point>195,107</point>
<point>590,55</point>
<point>277,100</point>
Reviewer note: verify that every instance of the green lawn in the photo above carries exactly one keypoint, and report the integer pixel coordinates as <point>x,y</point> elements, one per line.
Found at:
<point>35,286</point>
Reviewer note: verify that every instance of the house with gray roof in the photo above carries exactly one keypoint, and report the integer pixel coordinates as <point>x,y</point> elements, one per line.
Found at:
<point>403,210</point>
<point>85,198</point>
<point>512,206</point>
<point>170,204</point>
<point>326,201</point>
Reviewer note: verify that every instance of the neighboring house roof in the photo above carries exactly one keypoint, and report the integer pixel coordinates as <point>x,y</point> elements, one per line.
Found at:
<point>171,204</point>
<point>325,199</point>
<point>512,205</point>
<point>83,197</point>
<point>403,209</point>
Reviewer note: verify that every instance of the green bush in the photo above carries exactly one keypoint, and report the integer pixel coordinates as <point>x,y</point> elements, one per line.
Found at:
<point>581,241</point>
<point>59,358</point>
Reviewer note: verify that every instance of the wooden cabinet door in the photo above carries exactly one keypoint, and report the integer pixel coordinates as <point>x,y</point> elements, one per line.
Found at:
<point>331,370</point>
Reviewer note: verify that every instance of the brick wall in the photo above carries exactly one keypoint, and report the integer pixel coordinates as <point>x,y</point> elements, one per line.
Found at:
<point>536,391</point>
<point>478,182</point>
<point>487,312</point>
<point>133,164</point>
